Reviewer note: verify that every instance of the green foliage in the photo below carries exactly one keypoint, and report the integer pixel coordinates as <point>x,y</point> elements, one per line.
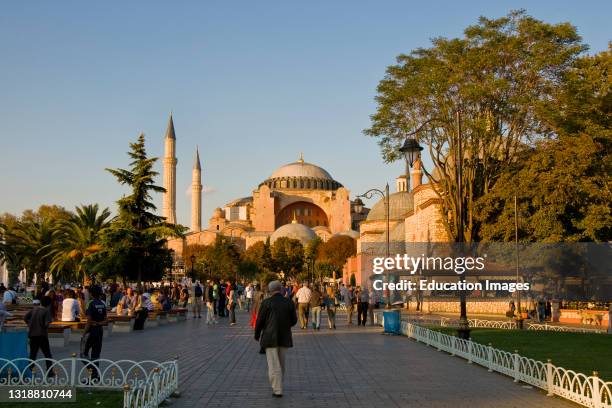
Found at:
<point>336,251</point>
<point>287,256</point>
<point>134,243</point>
<point>497,75</point>
<point>563,185</point>
<point>219,260</point>
<point>78,238</point>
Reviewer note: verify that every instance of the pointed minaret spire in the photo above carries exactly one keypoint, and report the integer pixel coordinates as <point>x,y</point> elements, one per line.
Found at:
<point>196,194</point>
<point>170,129</point>
<point>196,162</point>
<point>169,201</point>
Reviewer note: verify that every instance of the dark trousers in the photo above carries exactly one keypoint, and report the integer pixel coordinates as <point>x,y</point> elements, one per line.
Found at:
<point>221,306</point>
<point>232,313</point>
<point>362,313</point>
<point>141,316</point>
<point>42,343</point>
<point>93,344</point>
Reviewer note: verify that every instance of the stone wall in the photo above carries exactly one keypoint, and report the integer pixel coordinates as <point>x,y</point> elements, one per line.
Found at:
<point>484,307</point>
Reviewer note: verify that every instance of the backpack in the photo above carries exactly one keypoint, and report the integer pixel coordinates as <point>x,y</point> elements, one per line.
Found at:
<point>198,291</point>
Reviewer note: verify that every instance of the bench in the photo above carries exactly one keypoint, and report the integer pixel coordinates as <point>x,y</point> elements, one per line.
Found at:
<point>122,324</point>
<point>59,334</point>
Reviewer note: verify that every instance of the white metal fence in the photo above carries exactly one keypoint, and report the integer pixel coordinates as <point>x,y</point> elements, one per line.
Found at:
<point>144,383</point>
<point>506,324</point>
<point>589,391</point>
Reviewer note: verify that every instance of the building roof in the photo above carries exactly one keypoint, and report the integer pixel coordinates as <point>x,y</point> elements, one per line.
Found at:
<point>294,230</point>
<point>301,169</point>
<point>399,204</point>
<point>349,233</point>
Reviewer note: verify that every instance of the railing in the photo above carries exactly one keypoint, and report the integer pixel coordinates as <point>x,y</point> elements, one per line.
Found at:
<point>145,383</point>
<point>479,323</point>
<point>589,391</point>
<point>505,324</point>
<point>150,394</point>
<point>552,327</point>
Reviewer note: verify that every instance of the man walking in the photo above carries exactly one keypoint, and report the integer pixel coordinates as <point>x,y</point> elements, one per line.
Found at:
<point>196,299</point>
<point>362,306</point>
<point>209,297</point>
<point>303,299</point>
<point>249,296</point>
<point>315,308</point>
<point>275,318</point>
<point>38,319</point>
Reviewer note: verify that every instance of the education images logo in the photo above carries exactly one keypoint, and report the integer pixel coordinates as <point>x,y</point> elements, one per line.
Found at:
<point>459,265</point>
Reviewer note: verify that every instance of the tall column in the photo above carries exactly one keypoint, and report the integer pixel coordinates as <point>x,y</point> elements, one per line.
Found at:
<point>196,194</point>
<point>169,204</point>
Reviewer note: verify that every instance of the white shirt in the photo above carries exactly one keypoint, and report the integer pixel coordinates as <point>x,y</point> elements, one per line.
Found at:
<point>303,295</point>
<point>70,310</point>
<point>249,292</point>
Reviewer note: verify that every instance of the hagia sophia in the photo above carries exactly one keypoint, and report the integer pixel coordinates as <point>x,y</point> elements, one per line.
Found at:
<point>301,200</point>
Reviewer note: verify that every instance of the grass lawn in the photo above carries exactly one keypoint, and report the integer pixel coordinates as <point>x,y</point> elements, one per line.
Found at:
<point>580,352</point>
<point>84,399</point>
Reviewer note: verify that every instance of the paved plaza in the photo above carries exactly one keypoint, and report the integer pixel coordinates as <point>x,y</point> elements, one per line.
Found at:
<point>219,366</point>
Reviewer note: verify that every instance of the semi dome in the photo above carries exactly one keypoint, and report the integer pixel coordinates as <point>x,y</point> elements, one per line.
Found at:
<point>348,233</point>
<point>294,231</point>
<point>301,176</point>
<point>399,204</point>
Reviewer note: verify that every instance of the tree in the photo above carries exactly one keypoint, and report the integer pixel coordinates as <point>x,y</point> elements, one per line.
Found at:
<point>79,237</point>
<point>137,236</point>
<point>33,242</point>
<point>336,251</point>
<point>497,76</point>
<point>287,256</point>
<point>563,185</point>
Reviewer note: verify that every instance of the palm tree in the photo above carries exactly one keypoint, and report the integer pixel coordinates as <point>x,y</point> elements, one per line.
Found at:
<point>78,239</point>
<point>10,254</point>
<point>33,242</point>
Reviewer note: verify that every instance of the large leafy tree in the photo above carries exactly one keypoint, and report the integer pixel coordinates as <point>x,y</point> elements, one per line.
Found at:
<point>333,254</point>
<point>136,239</point>
<point>563,185</point>
<point>79,237</point>
<point>496,76</point>
<point>287,256</point>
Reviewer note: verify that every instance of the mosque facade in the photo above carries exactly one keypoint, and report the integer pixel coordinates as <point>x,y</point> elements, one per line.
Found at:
<point>299,200</point>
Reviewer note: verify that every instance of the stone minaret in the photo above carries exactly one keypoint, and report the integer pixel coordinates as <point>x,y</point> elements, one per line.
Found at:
<point>169,205</point>
<point>196,194</point>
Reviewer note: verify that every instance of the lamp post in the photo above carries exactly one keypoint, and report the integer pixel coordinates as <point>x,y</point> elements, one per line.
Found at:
<point>411,149</point>
<point>192,258</point>
<point>519,319</point>
<point>358,204</point>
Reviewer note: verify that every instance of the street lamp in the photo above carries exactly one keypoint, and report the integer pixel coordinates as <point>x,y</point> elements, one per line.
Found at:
<point>192,258</point>
<point>411,149</point>
<point>358,205</point>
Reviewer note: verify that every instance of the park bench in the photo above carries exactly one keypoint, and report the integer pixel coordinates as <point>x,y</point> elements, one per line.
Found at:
<point>59,334</point>
<point>153,319</point>
<point>122,324</point>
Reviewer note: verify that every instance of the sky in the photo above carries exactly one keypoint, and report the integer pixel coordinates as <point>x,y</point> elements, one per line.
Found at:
<point>253,84</point>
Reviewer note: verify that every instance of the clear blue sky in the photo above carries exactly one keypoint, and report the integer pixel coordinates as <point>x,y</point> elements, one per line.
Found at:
<point>253,83</point>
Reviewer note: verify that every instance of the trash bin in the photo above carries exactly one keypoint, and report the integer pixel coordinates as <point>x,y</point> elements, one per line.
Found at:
<point>391,321</point>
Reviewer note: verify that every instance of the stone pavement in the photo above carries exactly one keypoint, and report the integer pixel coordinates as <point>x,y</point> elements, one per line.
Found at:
<point>219,366</point>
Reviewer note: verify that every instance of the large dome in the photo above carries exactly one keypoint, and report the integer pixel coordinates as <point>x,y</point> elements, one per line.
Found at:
<point>399,205</point>
<point>301,169</point>
<point>301,176</point>
<point>294,231</point>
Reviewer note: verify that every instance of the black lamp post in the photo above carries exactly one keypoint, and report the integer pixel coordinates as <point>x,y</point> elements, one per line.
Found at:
<point>411,150</point>
<point>192,258</point>
<point>358,206</point>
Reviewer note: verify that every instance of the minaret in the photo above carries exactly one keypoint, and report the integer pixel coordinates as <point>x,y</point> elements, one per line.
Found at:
<point>169,205</point>
<point>196,194</point>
